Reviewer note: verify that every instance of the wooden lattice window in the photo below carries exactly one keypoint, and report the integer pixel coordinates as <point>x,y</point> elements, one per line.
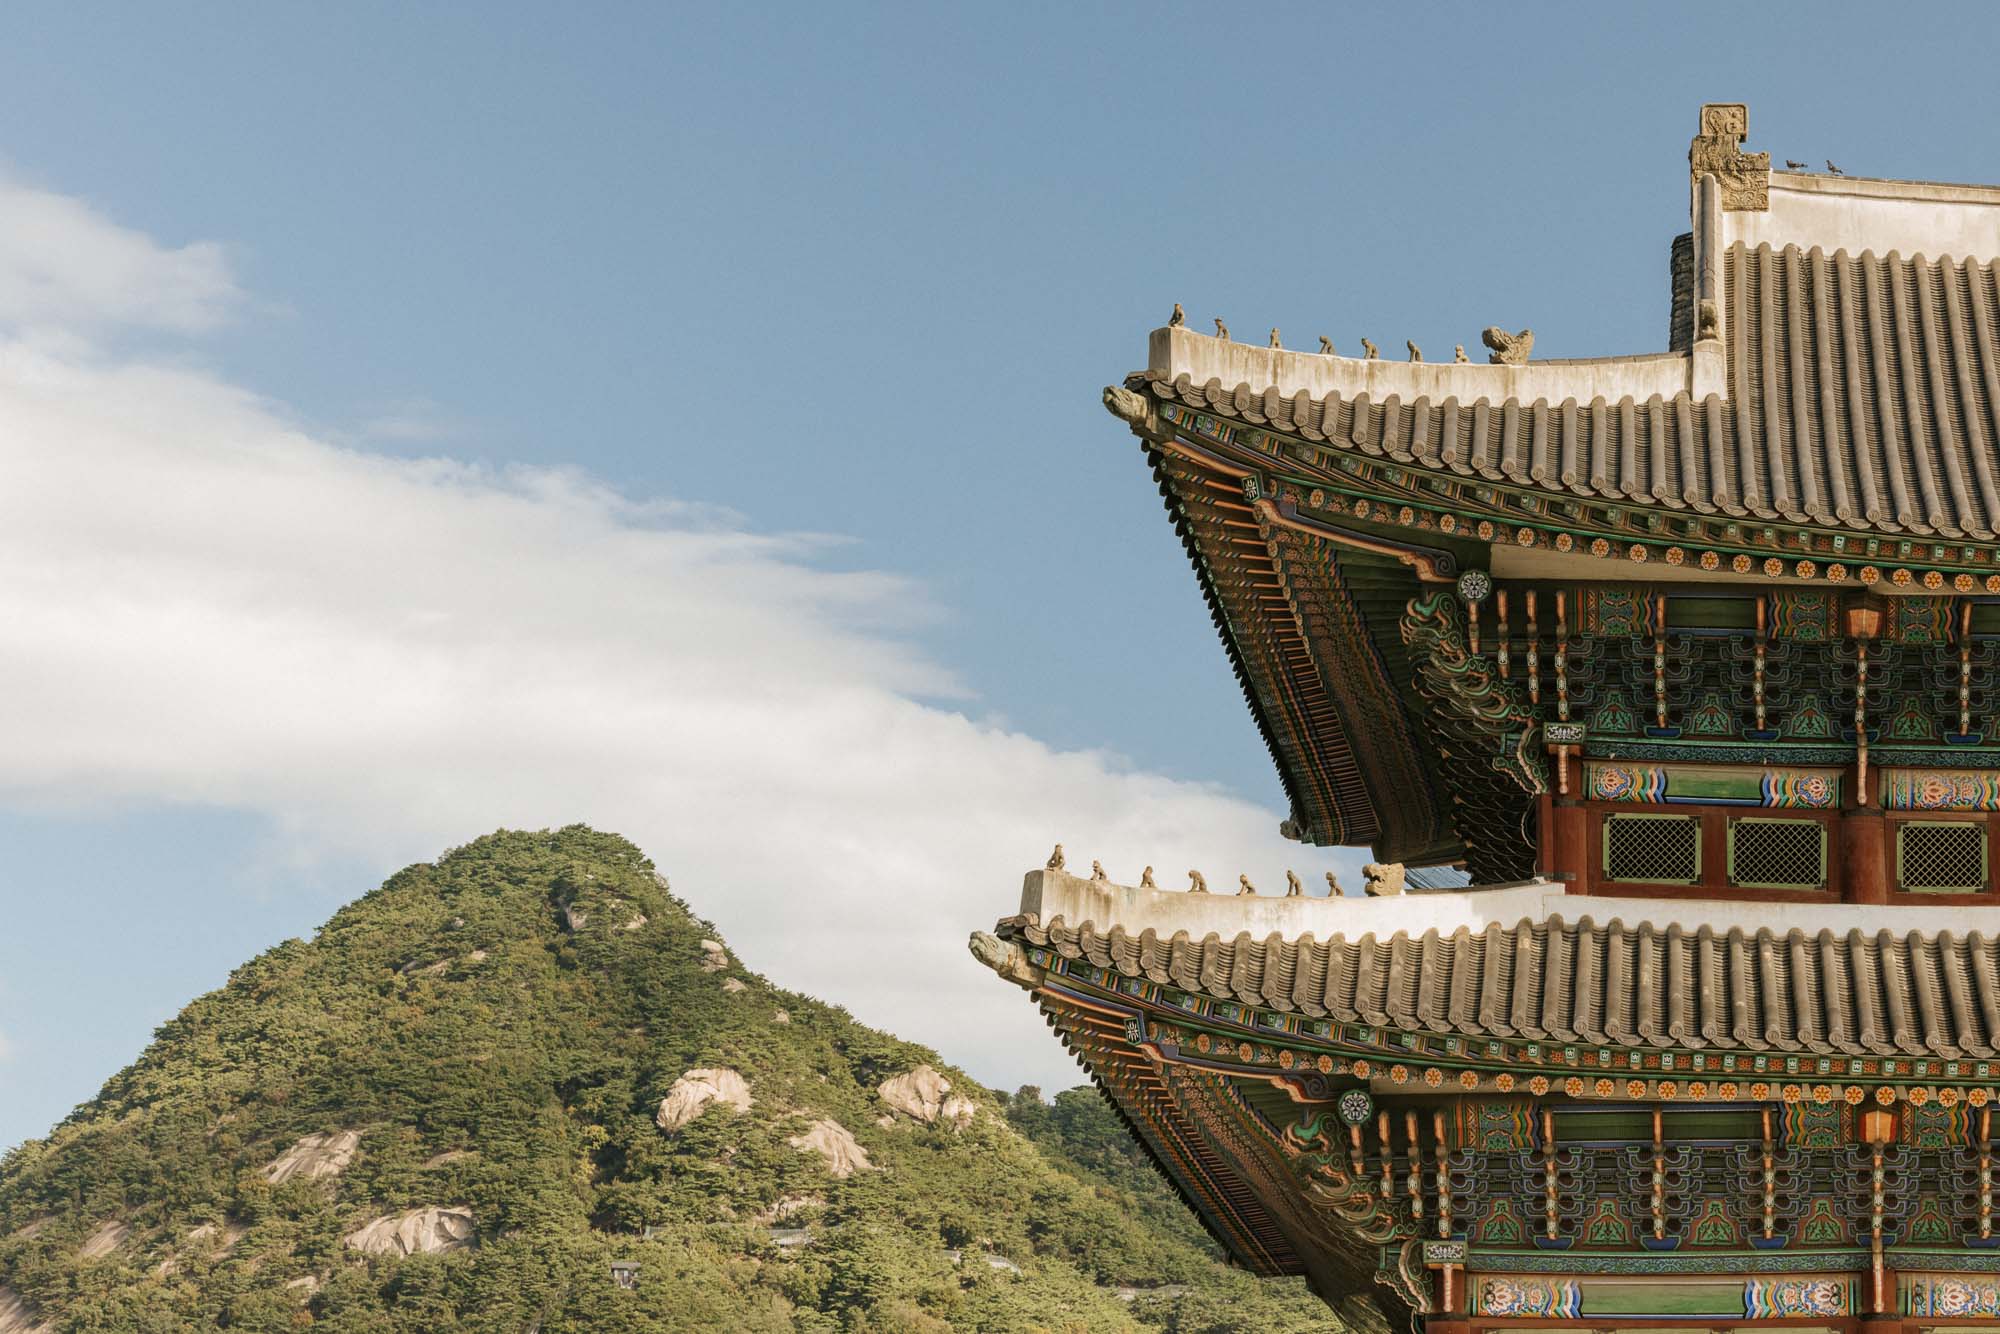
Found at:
<point>1939,857</point>
<point>1653,849</point>
<point>1769,853</point>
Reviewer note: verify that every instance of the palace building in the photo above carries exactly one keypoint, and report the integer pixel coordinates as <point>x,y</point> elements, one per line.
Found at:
<point>1688,659</point>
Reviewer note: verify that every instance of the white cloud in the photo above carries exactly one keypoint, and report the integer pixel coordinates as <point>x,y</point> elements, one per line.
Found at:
<point>65,266</point>
<point>201,604</point>
<point>411,421</point>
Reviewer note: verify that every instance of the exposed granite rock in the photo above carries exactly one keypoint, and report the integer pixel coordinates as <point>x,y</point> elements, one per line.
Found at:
<point>782,1017</point>
<point>105,1240</point>
<point>843,1153</point>
<point>714,956</point>
<point>430,1230</point>
<point>925,1095</point>
<point>217,1240</point>
<point>17,1317</point>
<point>315,1156</point>
<point>733,985</point>
<point>576,917</point>
<point>694,1091</point>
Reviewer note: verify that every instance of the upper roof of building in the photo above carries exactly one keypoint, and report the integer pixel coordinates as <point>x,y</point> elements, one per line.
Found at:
<point>1841,368</point>
<point>1827,409</point>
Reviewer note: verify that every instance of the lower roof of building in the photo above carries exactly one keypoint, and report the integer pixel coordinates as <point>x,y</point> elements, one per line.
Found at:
<point>1869,982</point>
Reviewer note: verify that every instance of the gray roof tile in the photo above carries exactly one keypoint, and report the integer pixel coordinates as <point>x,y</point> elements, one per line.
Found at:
<point>1914,994</point>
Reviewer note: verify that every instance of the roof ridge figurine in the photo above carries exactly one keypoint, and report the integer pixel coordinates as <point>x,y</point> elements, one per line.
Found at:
<point>1509,349</point>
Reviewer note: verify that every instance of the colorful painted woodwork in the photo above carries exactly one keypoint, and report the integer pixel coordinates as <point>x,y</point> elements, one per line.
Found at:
<point>1691,662</point>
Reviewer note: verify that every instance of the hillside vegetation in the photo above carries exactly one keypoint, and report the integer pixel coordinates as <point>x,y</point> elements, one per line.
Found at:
<point>491,1080</point>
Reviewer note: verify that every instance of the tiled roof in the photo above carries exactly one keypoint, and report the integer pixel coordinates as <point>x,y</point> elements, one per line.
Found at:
<point>1862,392</point>
<point>1855,994</point>
<point>1866,388</point>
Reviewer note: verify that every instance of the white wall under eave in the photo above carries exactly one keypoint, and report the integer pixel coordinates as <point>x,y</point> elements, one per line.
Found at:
<point>1843,213</point>
<point>1053,894</point>
<point>1202,358</point>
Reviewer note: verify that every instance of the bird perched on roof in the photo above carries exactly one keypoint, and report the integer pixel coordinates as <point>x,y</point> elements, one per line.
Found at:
<point>1274,339</point>
<point>1221,329</point>
<point>1097,871</point>
<point>1245,886</point>
<point>1197,883</point>
<point>1333,886</point>
<point>1056,858</point>
<point>1458,353</point>
<point>1833,169</point>
<point>1146,879</point>
<point>1293,889</point>
<point>1178,318</point>
<point>1369,350</point>
<point>1416,353</point>
<point>1794,166</point>
<point>1326,344</point>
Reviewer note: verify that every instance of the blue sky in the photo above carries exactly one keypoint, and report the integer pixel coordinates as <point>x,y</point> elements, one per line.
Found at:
<point>808,310</point>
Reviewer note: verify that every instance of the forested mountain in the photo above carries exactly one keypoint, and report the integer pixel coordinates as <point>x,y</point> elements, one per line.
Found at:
<point>525,1089</point>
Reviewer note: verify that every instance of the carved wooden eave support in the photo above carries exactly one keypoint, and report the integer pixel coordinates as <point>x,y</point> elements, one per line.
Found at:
<point>1005,958</point>
<point>1139,412</point>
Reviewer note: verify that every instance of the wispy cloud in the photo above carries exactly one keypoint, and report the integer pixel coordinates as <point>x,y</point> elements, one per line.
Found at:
<point>65,266</point>
<point>411,421</point>
<point>204,604</point>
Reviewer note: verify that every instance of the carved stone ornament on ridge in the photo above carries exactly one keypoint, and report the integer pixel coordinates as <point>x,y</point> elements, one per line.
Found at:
<point>1745,178</point>
<point>1508,349</point>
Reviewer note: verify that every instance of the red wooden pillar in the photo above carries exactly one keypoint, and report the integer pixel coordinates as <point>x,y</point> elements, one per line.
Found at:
<point>1566,845</point>
<point>1864,855</point>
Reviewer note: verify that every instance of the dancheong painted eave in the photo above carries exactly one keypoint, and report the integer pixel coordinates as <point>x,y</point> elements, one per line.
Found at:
<point>1828,411</point>
<point>1690,661</point>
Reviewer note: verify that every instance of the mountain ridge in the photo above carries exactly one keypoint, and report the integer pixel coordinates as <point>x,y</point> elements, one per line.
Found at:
<point>525,1087</point>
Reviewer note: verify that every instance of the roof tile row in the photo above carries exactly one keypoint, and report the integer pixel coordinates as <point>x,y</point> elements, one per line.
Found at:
<point>1857,994</point>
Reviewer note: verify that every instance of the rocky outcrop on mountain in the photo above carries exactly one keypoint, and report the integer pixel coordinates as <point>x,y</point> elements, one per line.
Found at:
<point>925,1095</point>
<point>836,1143</point>
<point>215,1238</point>
<point>17,1317</point>
<point>104,1240</point>
<point>315,1156</point>
<point>694,1091</point>
<point>431,1230</point>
